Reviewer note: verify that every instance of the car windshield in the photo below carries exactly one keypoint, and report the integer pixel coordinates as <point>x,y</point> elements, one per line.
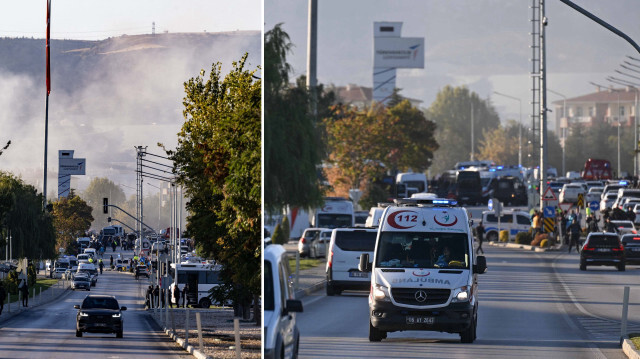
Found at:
<point>81,278</point>
<point>422,250</point>
<point>334,220</point>
<point>358,241</point>
<point>99,303</point>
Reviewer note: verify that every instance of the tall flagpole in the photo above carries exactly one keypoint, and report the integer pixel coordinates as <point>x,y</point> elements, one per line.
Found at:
<point>46,113</point>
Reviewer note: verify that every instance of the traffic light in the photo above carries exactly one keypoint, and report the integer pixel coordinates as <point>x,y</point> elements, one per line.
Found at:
<point>105,205</point>
<point>109,219</point>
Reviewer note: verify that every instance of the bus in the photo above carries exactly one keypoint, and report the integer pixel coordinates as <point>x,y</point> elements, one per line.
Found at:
<point>201,278</point>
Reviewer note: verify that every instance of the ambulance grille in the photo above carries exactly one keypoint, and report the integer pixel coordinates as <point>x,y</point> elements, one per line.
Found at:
<point>408,296</point>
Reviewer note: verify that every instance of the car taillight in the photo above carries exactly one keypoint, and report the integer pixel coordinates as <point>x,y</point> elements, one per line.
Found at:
<point>587,248</point>
<point>330,258</point>
<point>619,249</point>
<point>302,240</point>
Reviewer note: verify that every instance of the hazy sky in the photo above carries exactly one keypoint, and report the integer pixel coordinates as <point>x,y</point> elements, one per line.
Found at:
<point>138,102</point>
<point>482,44</point>
<point>97,20</point>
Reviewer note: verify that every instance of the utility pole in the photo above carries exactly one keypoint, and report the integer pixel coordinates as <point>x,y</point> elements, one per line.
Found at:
<point>312,55</point>
<point>472,130</point>
<point>543,105</point>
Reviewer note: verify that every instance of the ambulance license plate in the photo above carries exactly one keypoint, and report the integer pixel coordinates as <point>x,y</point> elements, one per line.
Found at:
<point>419,320</point>
<point>358,275</point>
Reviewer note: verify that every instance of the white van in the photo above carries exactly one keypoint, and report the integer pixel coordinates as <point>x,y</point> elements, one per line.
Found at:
<point>336,212</point>
<point>510,220</point>
<point>281,335</point>
<point>345,248</point>
<point>424,271</point>
<point>375,213</point>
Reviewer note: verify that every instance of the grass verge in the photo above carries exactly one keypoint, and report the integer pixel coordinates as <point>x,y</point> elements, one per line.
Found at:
<point>635,338</point>
<point>44,283</point>
<point>304,263</point>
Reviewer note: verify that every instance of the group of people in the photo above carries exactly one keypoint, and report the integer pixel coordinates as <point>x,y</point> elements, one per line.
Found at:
<point>155,297</point>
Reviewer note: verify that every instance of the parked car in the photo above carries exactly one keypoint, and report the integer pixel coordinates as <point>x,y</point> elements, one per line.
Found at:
<point>319,244</point>
<point>307,236</point>
<point>281,335</point>
<point>141,270</point>
<point>510,220</point>
<point>99,314</point>
<point>607,200</point>
<point>602,249</point>
<point>631,244</point>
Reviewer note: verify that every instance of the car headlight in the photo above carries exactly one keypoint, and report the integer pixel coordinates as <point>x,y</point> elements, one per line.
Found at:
<point>82,314</point>
<point>117,315</point>
<point>381,293</point>
<point>460,294</point>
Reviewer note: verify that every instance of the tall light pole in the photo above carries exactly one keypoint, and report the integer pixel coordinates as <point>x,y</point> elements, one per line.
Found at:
<point>519,125</point>
<point>633,86</point>
<point>564,130</point>
<point>472,130</point>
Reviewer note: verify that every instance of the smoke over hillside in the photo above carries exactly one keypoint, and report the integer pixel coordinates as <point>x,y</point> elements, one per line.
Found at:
<point>107,97</point>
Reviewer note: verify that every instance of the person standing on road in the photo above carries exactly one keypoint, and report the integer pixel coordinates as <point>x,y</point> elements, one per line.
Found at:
<point>111,261</point>
<point>185,291</point>
<point>101,265</point>
<point>480,234</point>
<point>176,296</point>
<point>25,293</point>
<point>149,297</point>
<point>3,295</point>
<point>156,294</point>
<point>574,230</point>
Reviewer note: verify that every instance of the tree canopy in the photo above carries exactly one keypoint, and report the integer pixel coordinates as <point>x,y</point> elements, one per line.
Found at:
<point>217,161</point>
<point>292,139</point>
<point>451,111</point>
<point>71,218</point>
<point>22,216</point>
<point>99,188</point>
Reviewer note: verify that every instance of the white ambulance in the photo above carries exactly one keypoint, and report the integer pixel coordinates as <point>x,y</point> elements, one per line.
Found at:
<point>424,270</point>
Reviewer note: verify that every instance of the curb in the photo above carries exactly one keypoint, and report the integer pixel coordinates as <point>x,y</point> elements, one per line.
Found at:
<point>629,349</point>
<point>180,341</point>
<point>521,246</point>
<point>301,293</point>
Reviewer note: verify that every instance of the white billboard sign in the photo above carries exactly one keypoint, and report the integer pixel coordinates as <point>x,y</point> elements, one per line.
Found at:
<point>72,166</point>
<point>399,52</point>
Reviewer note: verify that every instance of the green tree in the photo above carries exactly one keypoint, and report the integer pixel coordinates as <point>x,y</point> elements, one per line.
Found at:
<point>218,164</point>
<point>292,140</point>
<point>451,111</point>
<point>22,217</point>
<point>99,188</point>
<point>72,219</point>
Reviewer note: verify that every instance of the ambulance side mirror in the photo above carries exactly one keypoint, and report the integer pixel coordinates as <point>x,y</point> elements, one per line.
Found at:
<point>481,265</point>
<point>364,265</point>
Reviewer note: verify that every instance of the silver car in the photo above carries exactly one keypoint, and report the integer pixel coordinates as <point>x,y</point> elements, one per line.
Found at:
<point>305,240</point>
<point>319,243</point>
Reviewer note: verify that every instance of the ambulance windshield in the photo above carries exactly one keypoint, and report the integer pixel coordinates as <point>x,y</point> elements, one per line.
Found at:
<point>422,250</point>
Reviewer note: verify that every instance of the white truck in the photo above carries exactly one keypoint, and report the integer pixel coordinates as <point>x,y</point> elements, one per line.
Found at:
<point>424,270</point>
<point>411,182</point>
<point>335,213</point>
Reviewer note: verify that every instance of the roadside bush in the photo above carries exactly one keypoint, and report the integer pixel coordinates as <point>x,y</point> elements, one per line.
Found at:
<point>31,275</point>
<point>284,226</point>
<point>539,238</point>
<point>504,236</point>
<point>278,236</point>
<point>523,238</point>
<point>11,282</point>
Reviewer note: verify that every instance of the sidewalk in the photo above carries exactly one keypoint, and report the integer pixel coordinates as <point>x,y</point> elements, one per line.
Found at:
<point>311,280</point>
<point>51,294</point>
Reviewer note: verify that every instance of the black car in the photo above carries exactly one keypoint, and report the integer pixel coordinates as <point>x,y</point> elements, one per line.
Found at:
<point>81,281</point>
<point>99,314</point>
<point>602,249</point>
<point>631,244</point>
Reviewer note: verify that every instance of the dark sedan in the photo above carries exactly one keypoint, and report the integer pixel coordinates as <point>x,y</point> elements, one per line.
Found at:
<point>99,314</point>
<point>631,244</point>
<point>81,281</point>
<point>602,249</point>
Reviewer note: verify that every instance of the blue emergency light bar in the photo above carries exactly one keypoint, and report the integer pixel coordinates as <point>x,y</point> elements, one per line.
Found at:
<point>623,183</point>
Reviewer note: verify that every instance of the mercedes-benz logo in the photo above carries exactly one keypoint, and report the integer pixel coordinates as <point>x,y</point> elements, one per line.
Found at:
<point>421,296</point>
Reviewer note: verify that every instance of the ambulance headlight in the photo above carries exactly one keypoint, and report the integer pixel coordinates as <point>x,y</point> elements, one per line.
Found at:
<point>461,294</point>
<point>380,293</point>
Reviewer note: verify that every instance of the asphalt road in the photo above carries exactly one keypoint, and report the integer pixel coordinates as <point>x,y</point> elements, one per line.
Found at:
<point>48,331</point>
<point>532,305</point>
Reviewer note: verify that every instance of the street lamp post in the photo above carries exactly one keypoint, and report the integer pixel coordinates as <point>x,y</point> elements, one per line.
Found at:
<point>519,125</point>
